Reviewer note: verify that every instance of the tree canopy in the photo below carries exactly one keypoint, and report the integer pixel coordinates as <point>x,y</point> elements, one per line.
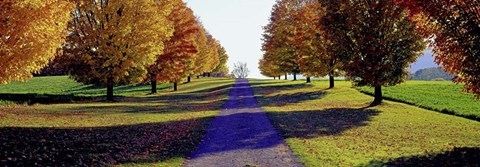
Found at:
<point>30,33</point>
<point>114,42</point>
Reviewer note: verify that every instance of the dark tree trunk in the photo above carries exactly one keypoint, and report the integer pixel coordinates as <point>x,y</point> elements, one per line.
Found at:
<point>294,76</point>
<point>332,80</point>
<point>175,86</point>
<point>153,83</point>
<point>204,74</point>
<point>378,96</point>
<point>274,78</point>
<point>308,80</point>
<point>189,79</point>
<point>198,76</point>
<point>285,76</point>
<point>110,89</point>
<point>208,74</point>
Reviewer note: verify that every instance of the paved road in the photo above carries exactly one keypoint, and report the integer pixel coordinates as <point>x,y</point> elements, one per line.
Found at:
<point>242,136</point>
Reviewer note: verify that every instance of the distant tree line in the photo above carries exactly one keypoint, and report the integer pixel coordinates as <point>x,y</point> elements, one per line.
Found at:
<point>434,73</point>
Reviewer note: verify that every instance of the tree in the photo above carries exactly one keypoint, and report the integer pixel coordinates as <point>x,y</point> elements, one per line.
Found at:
<point>114,42</point>
<point>221,69</point>
<point>269,69</point>
<point>383,44</point>
<point>308,43</point>
<point>454,32</point>
<point>207,58</point>
<point>171,66</point>
<point>30,33</point>
<point>240,70</point>
<point>431,74</point>
<point>278,37</point>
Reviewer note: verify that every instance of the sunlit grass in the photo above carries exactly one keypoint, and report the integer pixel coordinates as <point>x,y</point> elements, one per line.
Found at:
<point>443,96</point>
<point>62,85</point>
<point>168,125</point>
<point>335,127</point>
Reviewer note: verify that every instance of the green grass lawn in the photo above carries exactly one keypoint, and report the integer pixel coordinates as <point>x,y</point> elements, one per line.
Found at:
<point>139,129</point>
<point>62,85</point>
<point>335,127</point>
<point>443,96</point>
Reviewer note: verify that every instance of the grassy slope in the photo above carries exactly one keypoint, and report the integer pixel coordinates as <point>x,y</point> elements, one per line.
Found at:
<point>148,130</point>
<point>443,96</point>
<point>64,85</point>
<point>335,128</point>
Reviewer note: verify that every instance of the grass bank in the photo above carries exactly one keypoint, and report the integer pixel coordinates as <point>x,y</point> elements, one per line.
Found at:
<point>335,127</point>
<point>150,130</point>
<point>441,96</point>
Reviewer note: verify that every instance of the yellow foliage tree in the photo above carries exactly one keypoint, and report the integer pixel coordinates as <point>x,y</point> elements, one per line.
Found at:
<point>114,42</point>
<point>207,58</point>
<point>180,50</point>
<point>30,33</point>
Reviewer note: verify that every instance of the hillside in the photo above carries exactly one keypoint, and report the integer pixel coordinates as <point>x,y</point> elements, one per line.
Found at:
<point>430,74</point>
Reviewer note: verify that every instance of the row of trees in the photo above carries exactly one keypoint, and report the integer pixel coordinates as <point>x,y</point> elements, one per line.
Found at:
<point>372,42</point>
<point>107,43</point>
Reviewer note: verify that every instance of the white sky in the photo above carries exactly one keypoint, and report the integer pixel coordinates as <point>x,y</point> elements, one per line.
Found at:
<point>237,24</point>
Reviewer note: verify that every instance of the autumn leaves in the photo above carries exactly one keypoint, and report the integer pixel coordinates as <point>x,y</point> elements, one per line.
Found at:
<point>371,42</point>
<point>30,32</point>
<point>108,43</point>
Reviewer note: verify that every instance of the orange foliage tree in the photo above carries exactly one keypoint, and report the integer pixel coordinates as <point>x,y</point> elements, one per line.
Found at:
<point>207,57</point>
<point>114,42</point>
<point>453,30</point>
<point>267,68</point>
<point>221,69</point>
<point>309,41</point>
<point>180,50</point>
<point>30,33</point>
<point>279,37</point>
<point>383,43</point>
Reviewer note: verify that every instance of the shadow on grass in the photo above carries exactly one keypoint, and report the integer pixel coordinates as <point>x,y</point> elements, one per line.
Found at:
<point>33,98</point>
<point>285,99</point>
<point>270,88</point>
<point>310,124</point>
<point>463,156</point>
<point>156,142</point>
<point>170,107</point>
<point>100,145</point>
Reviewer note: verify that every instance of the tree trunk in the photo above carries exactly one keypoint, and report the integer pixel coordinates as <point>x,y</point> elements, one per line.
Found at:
<point>274,78</point>
<point>198,76</point>
<point>378,96</point>
<point>285,76</point>
<point>189,79</point>
<point>208,74</point>
<point>204,74</point>
<point>110,89</point>
<point>175,86</point>
<point>153,82</point>
<point>294,76</point>
<point>308,80</point>
<point>332,80</point>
